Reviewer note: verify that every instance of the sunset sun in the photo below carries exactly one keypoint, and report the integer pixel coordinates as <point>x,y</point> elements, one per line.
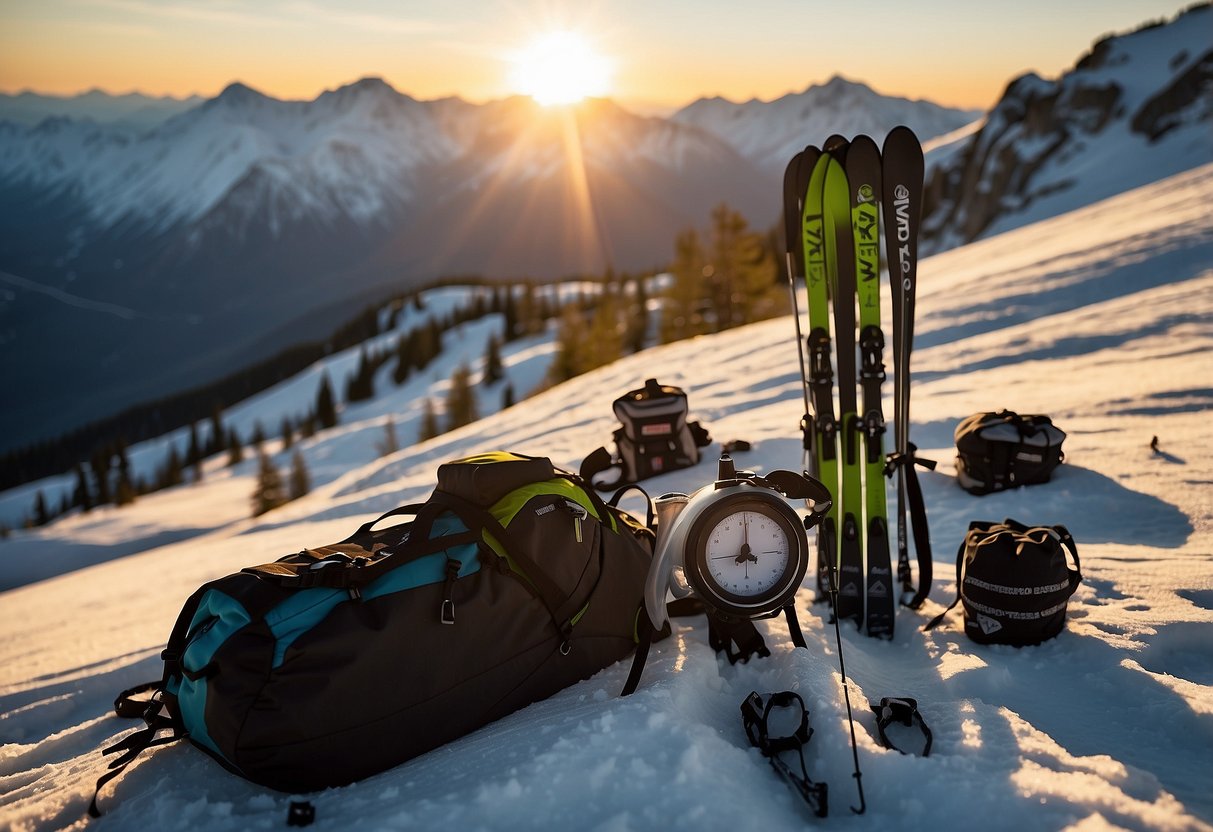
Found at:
<point>560,68</point>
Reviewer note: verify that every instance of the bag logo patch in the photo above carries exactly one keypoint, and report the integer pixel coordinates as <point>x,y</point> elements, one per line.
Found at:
<point>988,625</point>
<point>657,429</point>
<point>542,510</point>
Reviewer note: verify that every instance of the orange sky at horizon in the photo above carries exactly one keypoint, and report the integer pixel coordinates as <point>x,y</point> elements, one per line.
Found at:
<point>663,57</point>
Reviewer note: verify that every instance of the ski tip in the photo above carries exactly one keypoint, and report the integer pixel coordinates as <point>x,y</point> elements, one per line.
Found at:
<point>901,133</point>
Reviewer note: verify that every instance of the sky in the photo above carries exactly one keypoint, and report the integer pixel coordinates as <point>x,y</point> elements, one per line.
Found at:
<point>660,54</point>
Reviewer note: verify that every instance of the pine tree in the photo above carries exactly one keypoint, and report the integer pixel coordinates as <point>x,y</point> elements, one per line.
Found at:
<point>100,464</point>
<point>326,407</point>
<point>429,422</point>
<point>493,369</point>
<point>680,315</point>
<point>461,399</point>
<point>288,433</point>
<point>389,444</point>
<point>510,312</point>
<point>258,437</point>
<point>268,493</point>
<point>173,474</point>
<point>41,515</point>
<point>507,396</point>
<point>193,454</point>
<point>124,494</point>
<point>82,495</point>
<point>300,482</point>
<point>218,437</point>
<point>235,451</point>
<point>638,320</point>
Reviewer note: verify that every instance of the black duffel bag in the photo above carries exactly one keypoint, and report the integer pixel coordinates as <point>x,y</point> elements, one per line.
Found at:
<point>513,581</point>
<point>1014,581</point>
<point>996,451</point>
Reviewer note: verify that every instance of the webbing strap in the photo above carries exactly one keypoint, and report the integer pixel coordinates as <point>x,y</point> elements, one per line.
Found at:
<point>904,711</point>
<point>644,639</point>
<point>533,576</point>
<point>131,747</point>
<point>907,462</point>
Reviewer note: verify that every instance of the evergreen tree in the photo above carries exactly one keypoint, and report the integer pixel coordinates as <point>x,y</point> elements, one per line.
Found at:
<point>101,461</point>
<point>680,314</point>
<point>41,515</point>
<point>493,369</point>
<point>326,407</point>
<point>193,454</point>
<point>82,496</point>
<point>429,422</point>
<point>124,494</point>
<point>218,438</point>
<point>510,311</point>
<point>461,399</point>
<point>300,481</point>
<point>288,433</point>
<point>389,444</point>
<point>268,493</point>
<point>235,451</point>
<point>361,386</point>
<point>507,396</point>
<point>173,473</point>
<point>638,320</point>
<point>258,437</point>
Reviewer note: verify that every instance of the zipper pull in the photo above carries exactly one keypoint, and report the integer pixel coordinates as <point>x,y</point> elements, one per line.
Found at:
<point>579,513</point>
<point>447,615</point>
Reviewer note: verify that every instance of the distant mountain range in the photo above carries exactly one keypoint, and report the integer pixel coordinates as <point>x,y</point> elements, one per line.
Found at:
<point>133,111</point>
<point>137,261</point>
<point>175,253</point>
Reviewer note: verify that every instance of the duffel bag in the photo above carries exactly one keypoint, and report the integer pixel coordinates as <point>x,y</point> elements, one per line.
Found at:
<point>512,581</point>
<point>996,451</point>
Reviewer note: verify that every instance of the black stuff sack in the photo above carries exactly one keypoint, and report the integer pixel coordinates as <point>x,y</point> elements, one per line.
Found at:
<point>996,451</point>
<point>1014,581</point>
<point>511,582</point>
<point>655,436</point>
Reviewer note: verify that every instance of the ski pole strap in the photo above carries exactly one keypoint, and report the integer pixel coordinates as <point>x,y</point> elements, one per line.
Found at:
<point>755,716</point>
<point>918,522</point>
<point>904,711</point>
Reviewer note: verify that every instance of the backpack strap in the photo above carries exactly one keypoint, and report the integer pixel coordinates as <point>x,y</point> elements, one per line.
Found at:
<point>157,719</point>
<point>960,556</point>
<point>908,462</point>
<point>1068,544</point>
<point>482,522</point>
<point>598,461</point>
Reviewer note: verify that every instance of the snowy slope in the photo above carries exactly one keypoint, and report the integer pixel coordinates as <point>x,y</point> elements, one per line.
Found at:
<point>1102,318</point>
<point>1137,108</point>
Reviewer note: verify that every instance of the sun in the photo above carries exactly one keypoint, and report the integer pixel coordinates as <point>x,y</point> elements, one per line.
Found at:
<point>560,68</point>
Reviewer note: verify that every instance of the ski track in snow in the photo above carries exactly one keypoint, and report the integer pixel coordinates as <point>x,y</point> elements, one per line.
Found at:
<point>1102,318</point>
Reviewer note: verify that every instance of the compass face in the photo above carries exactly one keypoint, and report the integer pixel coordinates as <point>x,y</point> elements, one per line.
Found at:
<point>747,554</point>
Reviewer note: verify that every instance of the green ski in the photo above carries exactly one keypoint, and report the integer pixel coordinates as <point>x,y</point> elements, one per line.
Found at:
<point>863,174</point>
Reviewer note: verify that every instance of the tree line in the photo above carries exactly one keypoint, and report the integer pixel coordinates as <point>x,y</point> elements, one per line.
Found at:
<point>720,278</point>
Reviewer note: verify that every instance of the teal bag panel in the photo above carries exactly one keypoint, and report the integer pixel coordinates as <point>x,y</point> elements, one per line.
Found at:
<point>307,608</point>
<point>217,618</point>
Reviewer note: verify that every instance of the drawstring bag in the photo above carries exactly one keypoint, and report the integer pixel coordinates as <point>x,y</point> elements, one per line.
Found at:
<point>1014,581</point>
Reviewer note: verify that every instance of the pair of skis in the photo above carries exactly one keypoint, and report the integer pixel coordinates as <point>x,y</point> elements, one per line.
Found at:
<point>833,199</point>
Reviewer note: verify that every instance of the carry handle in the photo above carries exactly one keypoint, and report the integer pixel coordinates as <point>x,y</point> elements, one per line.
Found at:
<point>411,510</point>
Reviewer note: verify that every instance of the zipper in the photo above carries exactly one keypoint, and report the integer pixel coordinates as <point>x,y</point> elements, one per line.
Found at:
<point>447,613</point>
<point>579,513</point>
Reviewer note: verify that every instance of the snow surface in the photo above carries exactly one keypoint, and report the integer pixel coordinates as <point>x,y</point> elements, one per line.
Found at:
<point>1102,318</point>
